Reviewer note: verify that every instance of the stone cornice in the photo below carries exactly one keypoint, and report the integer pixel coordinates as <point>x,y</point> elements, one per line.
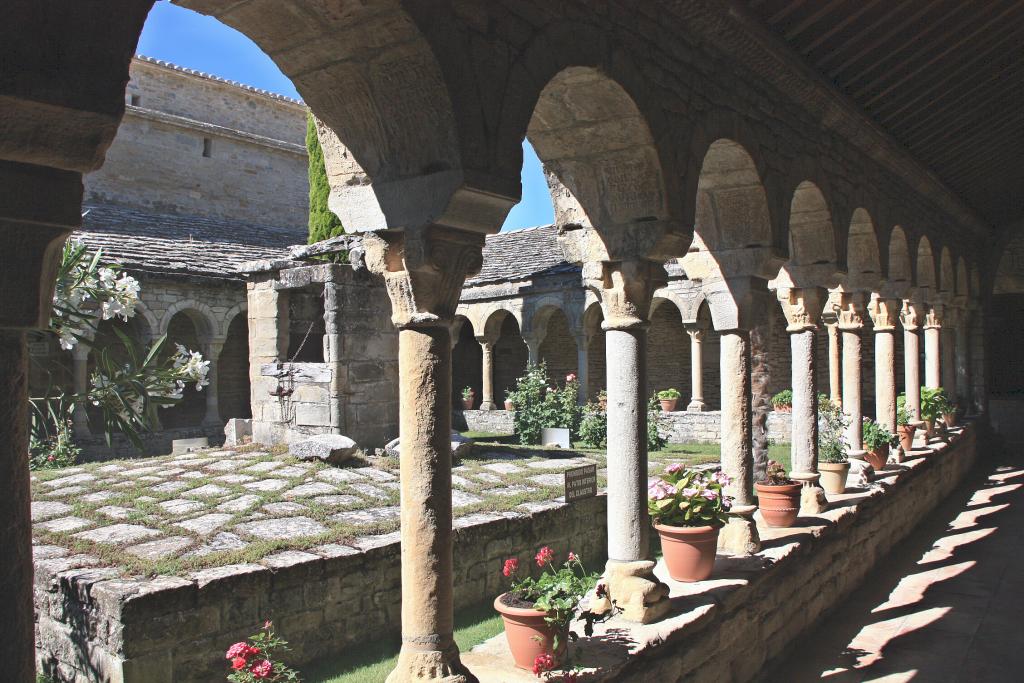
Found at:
<point>213,129</point>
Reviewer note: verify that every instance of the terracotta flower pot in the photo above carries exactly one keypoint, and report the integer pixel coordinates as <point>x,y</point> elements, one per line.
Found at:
<point>929,428</point>
<point>529,635</point>
<point>878,457</point>
<point>509,405</point>
<point>833,476</point>
<point>906,434</point>
<point>779,504</point>
<point>668,404</point>
<point>783,408</point>
<point>949,419</point>
<point>467,403</point>
<point>689,550</point>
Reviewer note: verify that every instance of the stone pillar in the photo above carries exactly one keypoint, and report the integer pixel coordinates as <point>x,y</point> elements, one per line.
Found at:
<point>582,366</point>
<point>948,348</point>
<point>626,289</point>
<point>736,440</point>
<point>910,317</point>
<point>423,271</point>
<point>487,373</point>
<point>696,333</point>
<point>80,377</point>
<point>851,322</point>
<point>884,313</point>
<point>533,348</point>
<point>933,346</point>
<point>835,364</point>
<point>802,308</point>
<point>333,352</point>
<point>962,360</point>
<point>213,349</point>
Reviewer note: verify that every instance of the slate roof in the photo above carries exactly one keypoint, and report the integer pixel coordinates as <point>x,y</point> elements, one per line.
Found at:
<point>187,245</point>
<point>522,254</point>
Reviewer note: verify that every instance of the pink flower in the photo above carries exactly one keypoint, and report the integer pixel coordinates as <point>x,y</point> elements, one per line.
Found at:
<point>544,556</point>
<point>262,668</point>
<point>511,566</point>
<point>237,650</point>
<point>543,662</point>
<point>722,478</point>
<point>690,492</point>
<point>238,663</point>
<point>660,490</point>
<point>573,557</point>
<point>673,468</point>
<point>267,624</point>
<point>710,494</point>
<point>571,377</point>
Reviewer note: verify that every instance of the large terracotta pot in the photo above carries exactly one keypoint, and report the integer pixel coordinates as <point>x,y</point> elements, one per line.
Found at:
<point>689,551</point>
<point>668,404</point>
<point>509,405</point>
<point>929,429</point>
<point>779,504</point>
<point>906,434</point>
<point>949,419</point>
<point>878,457</point>
<point>467,403</point>
<point>529,635</point>
<point>833,476</point>
<point>783,408</point>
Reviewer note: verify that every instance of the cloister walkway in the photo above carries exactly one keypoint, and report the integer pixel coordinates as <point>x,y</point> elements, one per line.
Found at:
<point>945,607</point>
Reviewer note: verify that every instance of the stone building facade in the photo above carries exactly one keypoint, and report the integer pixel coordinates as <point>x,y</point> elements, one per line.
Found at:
<point>204,174</point>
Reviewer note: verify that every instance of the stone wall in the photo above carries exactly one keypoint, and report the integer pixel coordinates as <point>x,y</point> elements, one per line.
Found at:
<point>175,629</point>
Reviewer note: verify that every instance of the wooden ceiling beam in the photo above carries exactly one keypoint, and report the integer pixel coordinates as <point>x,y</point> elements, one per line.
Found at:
<point>881,38</point>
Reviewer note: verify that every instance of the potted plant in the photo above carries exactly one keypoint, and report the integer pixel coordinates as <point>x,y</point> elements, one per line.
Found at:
<point>778,496</point>
<point>934,405</point>
<point>602,399</point>
<point>904,427</point>
<point>537,611</point>
<point>833,464</point>
<point>782,402</point>
<point>877,440</point>
<point>668,399</point>
<point>509,405</point>
<point>468,398</point>
<point>688,508</point>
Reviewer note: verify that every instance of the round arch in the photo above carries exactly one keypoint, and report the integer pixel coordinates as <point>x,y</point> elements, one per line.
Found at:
<point>863,257</point>
<point>201,315</point>
<point>947,275</point>
<point>900,267</point>
<point>925,265</point>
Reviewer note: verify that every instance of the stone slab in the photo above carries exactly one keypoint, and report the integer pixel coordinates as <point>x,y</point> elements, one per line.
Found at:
<point>276,529</point>
<point>117,534</point>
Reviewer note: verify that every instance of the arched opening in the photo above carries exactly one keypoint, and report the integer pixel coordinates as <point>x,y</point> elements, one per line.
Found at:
<point>668,351</point>
<point>947,276</point>
<point>596,361</point>
<point>233,395</point>
<point>108,343</point>
<point>558,346</point>
<point>190,411</point>
<point>899,258</point>
<point>467,363</point>
<point>926,280</point>
<point>811,231</point>
<point>711,371</point>
<point>863,259</point>
<point>510,353</point>
<point>732,206</point>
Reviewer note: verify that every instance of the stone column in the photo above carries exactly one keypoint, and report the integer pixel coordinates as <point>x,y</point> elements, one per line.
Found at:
<point>962,360</point>
<point>333,352</point>
<point>696,333</point>
<point>80,377</point>
<point>582,366</point>
<point>423,271</point>
<point>802,308</point>
<point>933,346</point>
<point>736,440</point>
<point>835,364</point>
<point>948,348</point>
<point>910,317</point>
<point>487,373</point>
<point>533,348</point>
<point>851,322</point>
<point>626,290</point>
<point>213,349</point>
<point>884,313</point>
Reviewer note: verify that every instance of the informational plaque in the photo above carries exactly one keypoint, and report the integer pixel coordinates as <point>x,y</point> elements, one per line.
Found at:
<point>580,482</point>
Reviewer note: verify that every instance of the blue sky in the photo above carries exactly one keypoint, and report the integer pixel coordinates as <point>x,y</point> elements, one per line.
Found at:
<point>189,39</point>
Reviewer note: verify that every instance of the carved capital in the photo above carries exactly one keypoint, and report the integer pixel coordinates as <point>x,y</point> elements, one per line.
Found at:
<point>911,315</point>
<point>850,310</point>
<point>934,316</point>
<point>802,307</point>
<point>625,289</point>
<point>697,333</point>
<point>423,270</point>
<point>884,313</point>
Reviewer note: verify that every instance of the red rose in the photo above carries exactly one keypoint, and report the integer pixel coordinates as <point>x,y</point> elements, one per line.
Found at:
<point>250,651</point>
<point>237,650</point>
<point>262,668</point>
<point>511,566</point>
<point>238,663</point>
<point>544,556</point>
<point>543,662</point>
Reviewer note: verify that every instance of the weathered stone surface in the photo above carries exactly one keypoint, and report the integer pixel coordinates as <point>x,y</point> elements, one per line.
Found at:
<point>367,516</point>
<point>267,485</point>
<point>461,499</point>
<point>240,504</point>
<point>179,446</point>
<point>65,524</point>
<point>332,448</point>
<point>205,524</point>
<point>460,446</point>
<point>339,476</point>
<point>180,506</point>
<point>337,501</point>
<point>220,542</point>
<point>370,491</point>
<point>284,508</point>
<point>160,548</point>
<point>207,491</point>
<point>311,489</point>
<point>288,527</point>
<point>117,534</point>
<point>115,512</point>
<point>237,431</point>
<point>42,509</point>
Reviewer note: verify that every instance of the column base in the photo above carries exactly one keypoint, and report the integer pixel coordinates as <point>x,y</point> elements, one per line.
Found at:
<point>739,535</point>
<point>488,405</point>
<point>696,406</point>
<point>812,496</point>
<point>441,666</point>
<point>635,590</point>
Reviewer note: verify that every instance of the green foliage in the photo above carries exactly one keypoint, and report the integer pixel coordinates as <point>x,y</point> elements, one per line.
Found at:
<point>655,441</point>
<point>51,439</point>
<point>594,426</point>
<point>540,405</point>
<point>467,393</point>
<point>903,416</point>
<point>935,403</point>
<point>783,398</point>
<point>876,436</point>
<point>557,591</point>
<point>685,497</point>
<point>323,223</point>
<point>831,423</point>
<point>669,394</point>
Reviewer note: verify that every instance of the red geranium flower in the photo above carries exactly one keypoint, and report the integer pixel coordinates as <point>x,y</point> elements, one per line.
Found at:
<point>262,668</point>
<point>238,663</point>
<point>544,556</point>
<point>572,556</point>
<point>511,566</point>
<point>543,662</point>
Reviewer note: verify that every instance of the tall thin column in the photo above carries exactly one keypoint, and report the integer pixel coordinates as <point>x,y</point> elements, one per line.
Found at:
<point>851,322</point>
<point>487,374</point>
<point>910,317</point>
<point>962,361</point>
<point>423,280</point>
<point>80,377</point>
<point>948,349</point>
<point>533,348</point>
<point>696,333</point>
<point>835,364</point>
<point>737,452</point>
<point>213,349</point>
<point>933,346</point>
<point>582,366</point>
<point>884,313</point>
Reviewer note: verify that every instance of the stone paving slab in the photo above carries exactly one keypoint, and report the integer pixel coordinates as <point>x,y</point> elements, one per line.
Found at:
<point>286,527</point>
<point>118,534</point>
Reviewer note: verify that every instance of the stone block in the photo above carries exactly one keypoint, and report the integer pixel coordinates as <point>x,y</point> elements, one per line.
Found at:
<point>237,431</point>
<point>312,414</point>
<point>332,448</point>
<point>180,446</point>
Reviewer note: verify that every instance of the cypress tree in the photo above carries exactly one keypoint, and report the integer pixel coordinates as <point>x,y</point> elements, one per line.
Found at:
<point>323,224</point>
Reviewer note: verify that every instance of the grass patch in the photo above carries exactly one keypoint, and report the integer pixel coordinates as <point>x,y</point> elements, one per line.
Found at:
<point>372,663</point>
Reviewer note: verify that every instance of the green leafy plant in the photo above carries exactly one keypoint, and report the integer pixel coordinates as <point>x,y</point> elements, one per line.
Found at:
<point>668,394</point>
<point>655,441</point>
<point>903,416</point>
<point>467,393</point>
<point>540,405</point>
<point>935,403</point>
<point>51,436</point>
<point>323,223</point>
<point>876,436</point>
<point>782,399</point>
<point>683,497</point>
<point>775,474</point>
<point>594,426</point>
<point>831,424</point>
<point>257,659</point>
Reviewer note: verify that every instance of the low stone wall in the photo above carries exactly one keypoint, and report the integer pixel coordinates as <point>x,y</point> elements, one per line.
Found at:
<point>677,426</point>
<point>752,610</point>
<point>95,448</point>
<point>92,626</point>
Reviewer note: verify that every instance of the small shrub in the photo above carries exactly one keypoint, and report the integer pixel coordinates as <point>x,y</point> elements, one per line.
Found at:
<point>782,399</point>
<point>467,393</point>
<point>935,403</point>
<point>655,441</point>
<point>685,497</point>
<point>594,427</point>
<point>831,423</point>
<point>540,405</point>
<point>903,416</point>
<point>876,436</point>
<point>668,394</point>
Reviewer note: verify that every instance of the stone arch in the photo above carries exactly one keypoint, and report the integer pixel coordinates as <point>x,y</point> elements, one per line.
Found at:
<point>925,266</point>
<point>732,210</point>
<point>493,321</point>
<point>184,326</point>
<point>510,352</point>
<point>202,316</point>
<point>597,368</point>
<point>900,269</point>
<point>233,386</point>
<point>557,342</point>
<point>229,317</point>
<point>812,232</point>
<point>152,324</point>
<point>467,361</point>
<point>668,349</point>
<point>947,275</point>
<point>863,257</point>
<point>963,284</point>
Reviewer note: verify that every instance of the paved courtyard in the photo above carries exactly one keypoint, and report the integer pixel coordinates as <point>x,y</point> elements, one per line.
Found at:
<point>946,607</point>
